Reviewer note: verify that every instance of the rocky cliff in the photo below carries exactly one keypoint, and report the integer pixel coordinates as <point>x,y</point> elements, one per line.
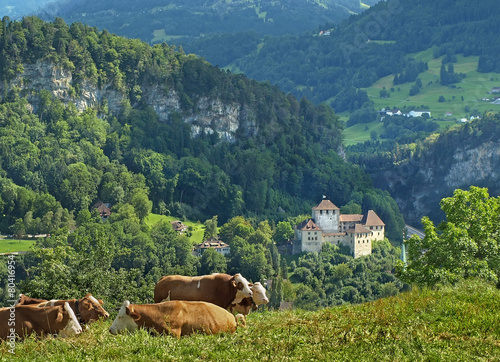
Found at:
<point>208,115</point>
<point>458,161</point>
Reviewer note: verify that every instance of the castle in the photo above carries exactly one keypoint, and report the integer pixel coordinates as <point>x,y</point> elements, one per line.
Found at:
<point>327,225</point>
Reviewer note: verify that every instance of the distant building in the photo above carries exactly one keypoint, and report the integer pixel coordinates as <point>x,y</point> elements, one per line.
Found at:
<point>327,225</point>
<point>219,246</point>
<point>104,209</point>
<point>418,113</point>
<point>495,90</point>
<point>178,226</point>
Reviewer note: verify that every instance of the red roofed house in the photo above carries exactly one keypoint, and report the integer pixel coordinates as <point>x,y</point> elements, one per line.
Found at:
<point>104,209</point>
<point>327,225</point>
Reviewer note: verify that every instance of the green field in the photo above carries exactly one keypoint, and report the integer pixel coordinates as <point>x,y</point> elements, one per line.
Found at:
<point>451,324</point>
<point>198,229</point>
<point>14,245</point>
<point>467,94</point>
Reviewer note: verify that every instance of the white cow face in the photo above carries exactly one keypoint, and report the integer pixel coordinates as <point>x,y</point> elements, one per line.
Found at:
<point>259,294</point>
<point>123,321</point>
<point>73,327</point>
<point>243,288</point>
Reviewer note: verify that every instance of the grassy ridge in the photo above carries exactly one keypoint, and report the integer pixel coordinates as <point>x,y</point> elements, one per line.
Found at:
<point>13,245</point>
<point>455,324</point>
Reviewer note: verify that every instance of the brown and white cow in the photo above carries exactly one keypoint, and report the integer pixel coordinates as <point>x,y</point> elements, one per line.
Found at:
<point>247,304</point>
<point>26,319</point>
<point>176,317</point>
<point>87,309</point>
<point>219,289</point>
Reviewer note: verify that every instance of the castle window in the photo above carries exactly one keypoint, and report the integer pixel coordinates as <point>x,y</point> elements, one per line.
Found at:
<point>316,238</point>
<point>321,212</point>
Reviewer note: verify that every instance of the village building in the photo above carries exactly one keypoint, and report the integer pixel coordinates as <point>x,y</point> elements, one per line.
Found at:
<point>219,246</point>
<point>178,226</point>
<point>327,225</point>
<point>104,209</point>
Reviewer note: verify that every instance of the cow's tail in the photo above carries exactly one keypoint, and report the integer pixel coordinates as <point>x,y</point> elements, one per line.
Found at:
<point>240,320</point>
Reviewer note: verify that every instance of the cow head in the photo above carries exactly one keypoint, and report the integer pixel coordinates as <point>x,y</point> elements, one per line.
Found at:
<point>124,321</point>
<point>242,288</point>
<point>91,309</point>
<point>73,327</point>
<point>259,294</point>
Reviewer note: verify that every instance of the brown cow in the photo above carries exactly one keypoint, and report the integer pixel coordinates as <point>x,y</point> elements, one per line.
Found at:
<point>26,319</point>
<point>87,309</point>
<point>219,289</point>
<point>178,318</point>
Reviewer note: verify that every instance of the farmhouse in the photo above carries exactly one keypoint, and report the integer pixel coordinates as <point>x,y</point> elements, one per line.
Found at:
<point>104,209</point>
<point>219,246</point>
<point>327,225</point>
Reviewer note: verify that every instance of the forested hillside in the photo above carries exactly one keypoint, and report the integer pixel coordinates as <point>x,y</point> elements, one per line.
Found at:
<point>281,157</point>
<point>155,21</point>
<point>419,174</point>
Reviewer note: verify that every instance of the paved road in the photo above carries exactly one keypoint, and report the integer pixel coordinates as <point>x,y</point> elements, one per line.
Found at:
<point>413,231</point>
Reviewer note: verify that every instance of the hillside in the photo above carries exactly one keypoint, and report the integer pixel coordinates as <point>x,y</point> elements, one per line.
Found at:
<point>426,171</point>
<point>197,141</point>
<point>155,21</point>
<point>457,323</point>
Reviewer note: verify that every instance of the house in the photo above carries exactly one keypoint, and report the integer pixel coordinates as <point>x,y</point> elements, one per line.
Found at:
<point>495,90</point>
<point>219,246</point>
<point>327,225</point>
<point>418,113</point>
<point>178,226</point>
<point>104,209</point>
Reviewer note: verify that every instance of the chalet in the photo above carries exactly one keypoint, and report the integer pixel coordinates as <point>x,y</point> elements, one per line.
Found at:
<point>219,246</point>
<point>178,226</point>
<point>327,225</point>
<point>104,209</point>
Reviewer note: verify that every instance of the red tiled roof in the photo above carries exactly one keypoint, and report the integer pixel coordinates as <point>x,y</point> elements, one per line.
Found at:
<point>351,218</point>
<point>372,219</point>
<point>326,205</point>
<point>308,225</point>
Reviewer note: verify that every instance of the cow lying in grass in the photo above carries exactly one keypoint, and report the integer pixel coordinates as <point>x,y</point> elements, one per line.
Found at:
<point>87,309</point>
<point>26,319</point>
<point>178,318</point>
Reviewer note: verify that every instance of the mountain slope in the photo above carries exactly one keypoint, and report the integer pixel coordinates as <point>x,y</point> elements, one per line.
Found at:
<point>205,141</point>
<point>161,20</point>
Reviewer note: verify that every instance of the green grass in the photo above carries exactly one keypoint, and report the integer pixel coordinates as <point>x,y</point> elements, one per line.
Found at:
<point>198,229</point>
<point>473,88</point>
<point>466,94</point>
<point>451,324</point>
<point>14,245</point>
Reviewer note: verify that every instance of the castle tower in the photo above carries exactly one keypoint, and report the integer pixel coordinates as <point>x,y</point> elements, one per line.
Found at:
<point>326,215</point>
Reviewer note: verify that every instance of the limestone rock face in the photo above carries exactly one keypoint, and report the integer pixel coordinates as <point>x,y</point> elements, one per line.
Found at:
<point>419,185</point>
<point>208,115</point>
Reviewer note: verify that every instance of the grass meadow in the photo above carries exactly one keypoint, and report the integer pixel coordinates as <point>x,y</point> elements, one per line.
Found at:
<point>15,245</point>
<point>461,99</point>
<point>460,323</point>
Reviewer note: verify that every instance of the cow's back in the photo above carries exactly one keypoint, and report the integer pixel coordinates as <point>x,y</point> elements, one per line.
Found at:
<point>189,317</point>
<point>213,288</point>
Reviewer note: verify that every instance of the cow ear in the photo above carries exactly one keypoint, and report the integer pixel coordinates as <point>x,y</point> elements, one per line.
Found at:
<point>60,316</point>
<point>131,313</point>
<point>101,302</point>
<point>233,282</point>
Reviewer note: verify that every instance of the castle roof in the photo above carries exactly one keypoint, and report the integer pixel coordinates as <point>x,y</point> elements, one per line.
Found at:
<point>351,218</point>
<point>308,225</point>
<point>358,229</point>
<point>325,205</point>
<point>372,219</point>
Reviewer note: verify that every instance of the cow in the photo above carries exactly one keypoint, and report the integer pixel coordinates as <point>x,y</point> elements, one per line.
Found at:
<point>26,319</point>
<point>87,309</point>
<point>219,289</point>
<point>259,297</point>
<point>176,317</point>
